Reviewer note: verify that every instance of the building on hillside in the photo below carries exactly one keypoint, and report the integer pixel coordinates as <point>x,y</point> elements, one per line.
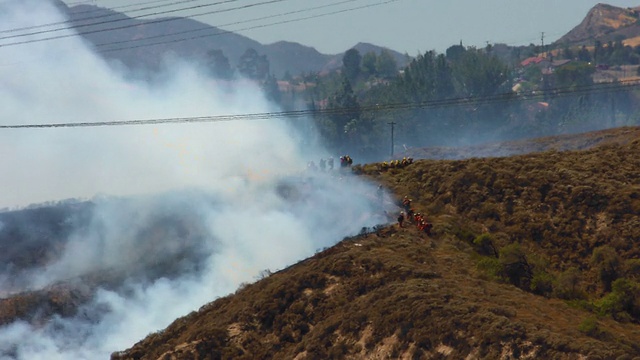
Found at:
<point>286,86</point>
<point>553,65</point>
<point>535,60</point>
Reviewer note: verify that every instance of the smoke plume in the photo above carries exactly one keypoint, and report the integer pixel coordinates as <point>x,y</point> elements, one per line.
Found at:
<point>180,213</point>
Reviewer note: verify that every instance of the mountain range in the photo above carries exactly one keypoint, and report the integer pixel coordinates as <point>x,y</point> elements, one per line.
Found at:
<point>127,40</point>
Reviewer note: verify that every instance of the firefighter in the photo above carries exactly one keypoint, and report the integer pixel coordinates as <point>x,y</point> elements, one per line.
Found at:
<point>418,218</point>
<point>406,203</point>
<point>427,228</point>
<point>400,219</point>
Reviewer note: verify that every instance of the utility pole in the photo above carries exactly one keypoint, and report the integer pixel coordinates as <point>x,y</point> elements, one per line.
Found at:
<point>542,39</point>
<point>392,124</point>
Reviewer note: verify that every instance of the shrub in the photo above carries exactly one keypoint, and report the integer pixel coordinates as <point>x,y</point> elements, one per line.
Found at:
<point>590,327</point>
<point>608,264</point>
<point>515,267</point>
<point>632,268</point>
<point>490,267</point>
<point>621,302</point>
<point>485,245</point>
<point>542,283</point>
<point>566,287</point>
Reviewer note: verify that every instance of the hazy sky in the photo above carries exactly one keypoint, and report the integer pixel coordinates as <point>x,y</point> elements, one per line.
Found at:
<point>411,26</point>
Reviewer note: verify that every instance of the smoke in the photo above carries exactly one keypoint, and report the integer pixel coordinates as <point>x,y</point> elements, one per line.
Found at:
<point>181,214</point>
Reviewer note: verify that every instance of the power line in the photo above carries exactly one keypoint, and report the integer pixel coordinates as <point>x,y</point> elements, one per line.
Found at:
<point>71,21</point>
<point>128,19</point>
<point>224,32</point>
<point>452,102</point>
<point>201,14</point>
<point>121,7</point>
<point>227,32</point>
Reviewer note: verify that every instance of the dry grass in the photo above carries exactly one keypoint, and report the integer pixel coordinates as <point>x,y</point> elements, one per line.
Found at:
<point>522,263</point>
<point>400,294</point>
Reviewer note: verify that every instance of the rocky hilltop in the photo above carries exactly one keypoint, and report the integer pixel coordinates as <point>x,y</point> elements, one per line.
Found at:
<point>604,23</point>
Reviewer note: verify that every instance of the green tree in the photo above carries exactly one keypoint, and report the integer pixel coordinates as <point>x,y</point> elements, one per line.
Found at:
<point>369,63</point>
<point>253,66</point>
<point>485,246</point>
<point>271,89</point>
<point>608,265</point>
<point>574,75</point>
<point>567,52</point>
<point>584,54</point>
<point>344,109</point>
<point>566,286</point>
<point>454,53</point>
<point>515,266</point>
<point>351,64</point>
<point>622,301</point>
<point>386,65</point>
<point>480,74</point>
<point>219,64</point>
<point>598,52</point>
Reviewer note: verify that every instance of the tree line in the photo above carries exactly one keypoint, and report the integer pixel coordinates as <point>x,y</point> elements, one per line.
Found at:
<point>506,101</point>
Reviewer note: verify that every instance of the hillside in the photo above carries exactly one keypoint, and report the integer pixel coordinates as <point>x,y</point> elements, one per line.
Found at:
<point>124,41</point>
<point>564,142</point>
<point>604,23</point>
<point>531,256</point>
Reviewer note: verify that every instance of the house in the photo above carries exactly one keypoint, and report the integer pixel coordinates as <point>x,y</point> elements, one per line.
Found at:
<point>535,60</point>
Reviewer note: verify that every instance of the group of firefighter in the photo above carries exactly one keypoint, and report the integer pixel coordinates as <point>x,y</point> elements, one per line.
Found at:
<point>411,216</point>
<point>327,164</point>
<point>396,164</point>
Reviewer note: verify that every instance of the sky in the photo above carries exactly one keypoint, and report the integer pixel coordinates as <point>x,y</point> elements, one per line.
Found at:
<point>407,26</point>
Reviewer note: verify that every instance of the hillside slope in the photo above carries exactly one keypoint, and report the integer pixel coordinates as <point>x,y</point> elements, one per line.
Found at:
<point>142,44</point>
<point>605,23</point>
<point>532,256</point>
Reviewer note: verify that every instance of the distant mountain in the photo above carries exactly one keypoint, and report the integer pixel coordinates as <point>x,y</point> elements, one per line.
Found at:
<point>125,39</point>
<point>604,23</point>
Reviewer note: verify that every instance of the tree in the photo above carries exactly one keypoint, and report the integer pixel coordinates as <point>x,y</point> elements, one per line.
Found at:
<point>515,266</point>
<point>584,54</point>
<point>454,53</point>
<point>575,74</point>
<point>369,63</point>
<point>567,52</point>
<point>598,52</point>
<point>608,264</point>
<point>481,74</point>
<point>271,89</point>
<point>344,109</point>
<point>351,64</point>
<point>219,64</point>
<point>386,65</point>
<point>253,66</point>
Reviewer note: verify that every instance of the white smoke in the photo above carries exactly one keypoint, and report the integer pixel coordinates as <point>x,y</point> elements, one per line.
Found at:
<point>234,188</point>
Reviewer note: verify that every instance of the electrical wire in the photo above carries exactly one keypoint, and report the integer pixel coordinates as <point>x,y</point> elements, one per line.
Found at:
<point>79,33</point>
<point>452,102</point>
<point>223,32</point>
<point>210,28</point>
<point>71,21</point>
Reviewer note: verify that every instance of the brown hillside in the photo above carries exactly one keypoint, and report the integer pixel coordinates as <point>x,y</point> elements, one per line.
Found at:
<point>532,256</point>
<point>509,148</point>
<point>604,23</point>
